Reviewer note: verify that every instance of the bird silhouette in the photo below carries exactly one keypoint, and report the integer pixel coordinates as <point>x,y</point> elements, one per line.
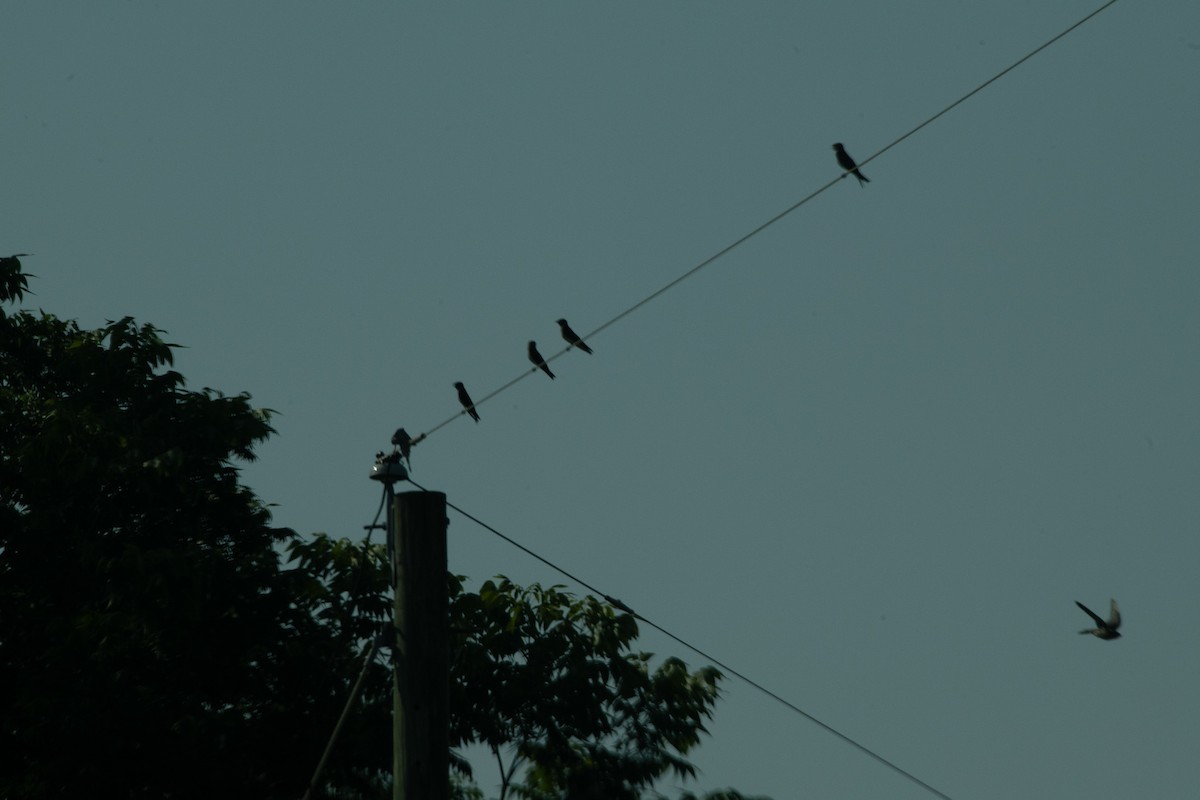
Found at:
<point>466,400</point>
<point>847,163</point>
<point>572,337</point>
<point>1105,629</point>
<point>538,361</point>
<point>403,444</point>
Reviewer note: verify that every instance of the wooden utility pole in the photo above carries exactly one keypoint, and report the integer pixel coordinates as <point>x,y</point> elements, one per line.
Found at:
<point>421,657</point>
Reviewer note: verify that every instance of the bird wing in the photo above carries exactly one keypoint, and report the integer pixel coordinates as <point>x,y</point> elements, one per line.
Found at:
<point>1090,613</point>
<point>1114,615</point>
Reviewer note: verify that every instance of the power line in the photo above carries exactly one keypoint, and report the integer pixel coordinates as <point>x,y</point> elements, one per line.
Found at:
<point>990,81</point>
<point>337,729</point>
<point>703,654</point>
<point>526,550</point>
<point>725,250</point>
<point>745,679</point>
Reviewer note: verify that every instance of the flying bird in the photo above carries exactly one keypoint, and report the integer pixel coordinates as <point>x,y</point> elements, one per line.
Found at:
<point>1105,629</point>
<point>847,163</point>
<point>538,361</point>
<point>572,337</point>
<point>403,443</point>
<point>466,401</point>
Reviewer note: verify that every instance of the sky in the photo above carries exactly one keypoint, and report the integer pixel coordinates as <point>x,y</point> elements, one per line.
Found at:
<point>869,458</point>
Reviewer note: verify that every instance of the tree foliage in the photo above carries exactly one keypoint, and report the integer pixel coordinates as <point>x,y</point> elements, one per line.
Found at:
<point>150,643</point>
<point>551,682</point>
<point>160,638</point>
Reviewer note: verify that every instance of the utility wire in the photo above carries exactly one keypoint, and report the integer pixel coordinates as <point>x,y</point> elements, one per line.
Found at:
<point>527,551</point>
<point>724,251</point>
<point>337,729</point>
<point>989,81</point>
<point>708,657</point>
<point>745,679</point>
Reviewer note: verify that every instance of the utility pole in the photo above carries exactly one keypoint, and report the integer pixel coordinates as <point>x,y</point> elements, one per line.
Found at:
<point>421,655</point>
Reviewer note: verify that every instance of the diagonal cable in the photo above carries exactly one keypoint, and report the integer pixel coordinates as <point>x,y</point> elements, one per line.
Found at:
<point>337,729</point>
<point>708,657</point>
<point>725,250</point>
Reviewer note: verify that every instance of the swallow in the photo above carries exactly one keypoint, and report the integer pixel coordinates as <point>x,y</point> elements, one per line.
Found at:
<point>403,443</point>
<point>1104,629</point>
<point>572,337</point>
<point>847,163</point>
<point>466,401</point>
<point>538,361</point>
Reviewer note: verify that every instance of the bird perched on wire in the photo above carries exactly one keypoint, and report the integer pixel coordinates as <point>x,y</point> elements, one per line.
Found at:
<point>572,337</point>
<point>538,361</point>
<point>1105,629</point>
<point>466,400</point>
<point>403,443</point>
<point>847,163</point>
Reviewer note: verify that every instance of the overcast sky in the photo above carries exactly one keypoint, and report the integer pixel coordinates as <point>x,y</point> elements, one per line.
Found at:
<point>870,458</point>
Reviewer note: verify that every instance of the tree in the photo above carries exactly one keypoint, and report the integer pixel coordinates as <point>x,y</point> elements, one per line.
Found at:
<point>550,684</point>
<point>151,645</point>
<point>154,644</point>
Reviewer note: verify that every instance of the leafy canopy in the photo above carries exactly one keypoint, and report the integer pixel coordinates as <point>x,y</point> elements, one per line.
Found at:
<point>153,644</point>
